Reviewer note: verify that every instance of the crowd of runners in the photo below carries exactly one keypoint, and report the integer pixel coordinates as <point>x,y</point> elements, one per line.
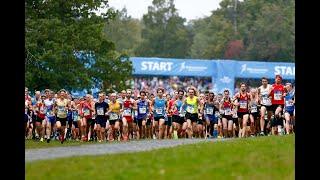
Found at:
<point>265,110</point>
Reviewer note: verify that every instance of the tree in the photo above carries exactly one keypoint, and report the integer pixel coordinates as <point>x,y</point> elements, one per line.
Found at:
<point>124,31</point>
<point>64,41</point>
<point>164,33</point>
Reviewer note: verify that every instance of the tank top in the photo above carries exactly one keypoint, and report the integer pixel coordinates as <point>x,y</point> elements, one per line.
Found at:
<point>115,110</point>
<point>41,110</point>
<point>265,100</point>
<point>192,105</point>
<point>177,104</point>
<point>209,108</point>
<point>61,111</point>
<point>86,110</point>
<point>254,106</point>
<point>159,107</point>
<point>227,107</point>
<point>243,102</point>
<point>277,94</point>
<point>127,108</point>
<point>49,107</point>
<point>289,96</point>
<point>142,109</point>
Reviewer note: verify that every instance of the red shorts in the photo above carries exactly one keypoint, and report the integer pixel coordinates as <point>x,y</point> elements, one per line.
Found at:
<point>128,118</point>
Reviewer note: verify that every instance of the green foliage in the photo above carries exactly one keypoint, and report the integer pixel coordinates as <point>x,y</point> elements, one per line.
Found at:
<point>55,31</point>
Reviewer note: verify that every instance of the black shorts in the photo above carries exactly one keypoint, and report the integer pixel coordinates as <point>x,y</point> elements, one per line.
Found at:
<point>91,122</point>
<point>148,122</point>
<point>102,122</point>
<point>193,117</point>
<point>26,118</point>
<point>228,117</point>
<point>168,122</point>
<point>200,121</point>
<point>113,122</point>
<point>63,121</point>
<point>75,123</point>
<point>178,119</point>
<point>290,112</point>
<point>158,118</point>
<point>236,121</point>
<point>277,122</point>
<point>139,121</point>
<point>275,106</point>
<point>268,108</point>
<point>38,119</point>
<point>34,118</point>
<point>255,115</point>
<point>240,114</point>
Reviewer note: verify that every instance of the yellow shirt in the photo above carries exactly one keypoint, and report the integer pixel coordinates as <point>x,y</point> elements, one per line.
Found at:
<point>114,107</point>
<point>61,110</point>
<point>192,105</point>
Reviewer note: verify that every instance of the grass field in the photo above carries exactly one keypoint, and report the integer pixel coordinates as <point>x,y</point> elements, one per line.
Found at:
<point>253,158</point>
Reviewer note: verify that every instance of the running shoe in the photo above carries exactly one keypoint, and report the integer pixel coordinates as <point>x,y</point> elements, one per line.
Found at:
<point>41,140</point>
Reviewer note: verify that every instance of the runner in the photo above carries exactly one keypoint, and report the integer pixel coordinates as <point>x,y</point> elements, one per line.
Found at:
<point>210,111</point>
<point>226,107</point>
<point>254,112</point>
<point>101,108</point>
<point>34,117</point>
<point>61,106</point>
<point>143,109</point>
<point>40,120</point>
<point>278,92</point>
<point>159,107</point>
<point>242,101</point>
<point>263,92</point>
<point>76,119</point>
<point>115,108</point>
<point>49,114</point>
<point>178,122</point>
<point>289,108</point>
<point>191,105</point>
<point>168,122</point>
<point>28,113</point>
<point>127,115</point>
<point>87,123</point>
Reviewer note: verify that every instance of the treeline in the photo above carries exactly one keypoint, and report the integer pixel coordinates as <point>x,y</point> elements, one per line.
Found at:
<point>259,30</point>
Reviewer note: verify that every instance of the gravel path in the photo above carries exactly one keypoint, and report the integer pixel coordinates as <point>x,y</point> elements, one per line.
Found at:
<point>106,148</point>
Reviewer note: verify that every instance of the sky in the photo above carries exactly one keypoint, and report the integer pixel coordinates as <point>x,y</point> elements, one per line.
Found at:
<point>189,9</point>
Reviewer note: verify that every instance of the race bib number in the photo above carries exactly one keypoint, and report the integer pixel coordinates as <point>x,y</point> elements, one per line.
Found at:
<point>159,111</point>
<point>142,110</point>
<point>288,103</point>
<point>61,110</point>
<point>227,111</point>
<point>75,117</point>
<point>254,109</point>
<point>114,116</point>
<point>266,101</point>
<point>100,112</point>
<point>127,112</point>
<point>209,111</point>
<point>277,95</point>
<point>190,109</point>
<point>243,104</point>
<point>86,112</point>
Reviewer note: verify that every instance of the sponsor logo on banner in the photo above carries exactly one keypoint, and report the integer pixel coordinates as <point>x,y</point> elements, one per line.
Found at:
<point>183,67</point>
<point>156,66</point>
<point>284,70</point>
<point>245,68</point>
<point>225,79</point>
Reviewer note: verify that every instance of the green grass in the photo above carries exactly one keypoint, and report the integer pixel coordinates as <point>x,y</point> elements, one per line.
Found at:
<point>253,158</point>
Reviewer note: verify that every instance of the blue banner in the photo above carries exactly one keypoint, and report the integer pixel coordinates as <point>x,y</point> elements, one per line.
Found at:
<point>249,69</point>
<point>225,78</point>
<point>173,67</point>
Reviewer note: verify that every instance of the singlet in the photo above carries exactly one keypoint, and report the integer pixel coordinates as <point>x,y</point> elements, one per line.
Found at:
<point>170,104</point>
<point>159,107</point>
<point>115,110</point>
<point>243,102</point>
<point>101,109</point>
<point>142,108</point>
<point>277,94</point>
<point>192,105</point>
<point>227,107</point>
<point>209,108</point>
<point>86,106</point>
<point>254,106</point>
<point>265,100</point>
<point>49,107</point>
<point>40,110</point>
<point>75,113</point>
<point>61,110</point>
<point>289,96</point>
<point>177,104</point>
<point>127,108</point>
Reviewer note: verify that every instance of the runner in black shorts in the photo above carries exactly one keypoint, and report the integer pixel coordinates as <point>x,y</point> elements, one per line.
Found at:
<point>101,108</point>
<point>254,112</point>
<point>263,93</point>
